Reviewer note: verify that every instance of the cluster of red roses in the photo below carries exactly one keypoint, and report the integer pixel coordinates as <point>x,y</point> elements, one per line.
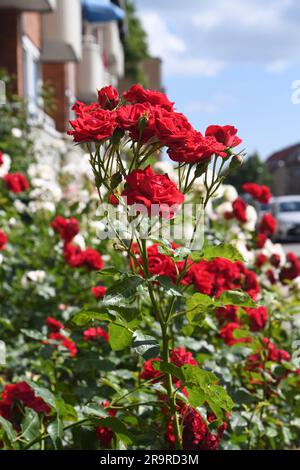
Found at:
<point>157,193</point>
<point>196,434</point>
<point>55,327</point>
<point>95,333</point>
<point>16,182</point>
<point>231,318</point>
<point>3,240</point>
<point>208,277</point>
<point>74,255</point>
<point>267,224</point>
<point>149,117</point>
<point>15,396</point>
<point>260,193</point>
<point>277,273</point>
<point>195,431</point>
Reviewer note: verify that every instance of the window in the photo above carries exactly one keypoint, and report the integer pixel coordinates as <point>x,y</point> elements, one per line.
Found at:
<point>291,206</point>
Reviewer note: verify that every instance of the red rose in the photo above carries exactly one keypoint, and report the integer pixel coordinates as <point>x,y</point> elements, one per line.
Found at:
<point>1,158</point>
<point>275,260</point>
<point>224,134</point>
<point>54,325</point>
<point>137,94</point>
<point>196,434</point>
<point>98,292</point>
<point>261,259</point>
<point>160,264</point>
<point>154,191</point>
<point>3,240</point>
<point>91,334</point>
<point>227,334</point>
<point>92,123</point>
<point>77,258</point>
<point>261,239</point>
<point>65,342</point>
<point>172,128</point>
<point>260,193</point>
<point>22,392</point>
<point>291,270</point>
<point>258,317</point>
<point>275,354</point>
<point>239,210</point>
<point>108,97</point>
<point>139,120</point>
<point>67,228</point>
<point>148,371</point>
<point>227,314</point>
<point>92,259</point>
<point>73,255</point>
<point>196,149</point>
<point>180,356</point>
<point>202,279</point>
<point>106,435</point>
<point>268,225</point>
<point>16,182</point>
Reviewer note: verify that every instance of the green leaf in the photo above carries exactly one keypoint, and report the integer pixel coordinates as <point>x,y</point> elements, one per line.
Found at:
<point>8,429</point>
<point>243,396</point>
<point>239,333</point>
<point>181,253</point>
<point>86,317</point>
<point>145,345</point>
<point>56,431</point>
<point>94,409</point>
<point>168,368</point>
<point>197,307</point>
<point>168,286</point>
<point>235,297</point>
<point>119,337</point>
<point>119,428</point>
<point>202,385</point>
<point>224,250</point>
<point>110,271</point>
<point>126,287</point>
<point>34,335</point>
<point>30,425</point>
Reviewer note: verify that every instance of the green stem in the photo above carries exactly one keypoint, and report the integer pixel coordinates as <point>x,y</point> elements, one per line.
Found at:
<point>165,341</point>
<point>170,389</point>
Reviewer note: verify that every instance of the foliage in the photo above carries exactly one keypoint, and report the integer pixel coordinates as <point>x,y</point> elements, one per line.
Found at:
<point>253,169</point>
<point>135,46</point>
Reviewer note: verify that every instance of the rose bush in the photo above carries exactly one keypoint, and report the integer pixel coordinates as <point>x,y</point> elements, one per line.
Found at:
<point>135,340</point>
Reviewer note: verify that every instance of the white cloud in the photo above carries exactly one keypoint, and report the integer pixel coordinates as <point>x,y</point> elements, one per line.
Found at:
<point>202,37</point>
<point>173,50</point>
<point>278,66</point>
<point>161,41</point>
<point>215,104</point>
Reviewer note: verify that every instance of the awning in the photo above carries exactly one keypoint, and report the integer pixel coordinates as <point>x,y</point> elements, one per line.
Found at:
<point>101,11</point>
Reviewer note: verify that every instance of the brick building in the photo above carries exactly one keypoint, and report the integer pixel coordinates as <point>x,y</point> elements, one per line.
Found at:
<point>75,46</point>
<point>285,169</point>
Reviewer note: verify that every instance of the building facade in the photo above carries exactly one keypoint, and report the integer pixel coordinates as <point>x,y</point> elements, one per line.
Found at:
<point>73,47</point>
<point>284,167</point>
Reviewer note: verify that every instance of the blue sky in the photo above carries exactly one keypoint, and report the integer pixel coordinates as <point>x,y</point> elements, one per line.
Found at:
<point>231,62</point>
